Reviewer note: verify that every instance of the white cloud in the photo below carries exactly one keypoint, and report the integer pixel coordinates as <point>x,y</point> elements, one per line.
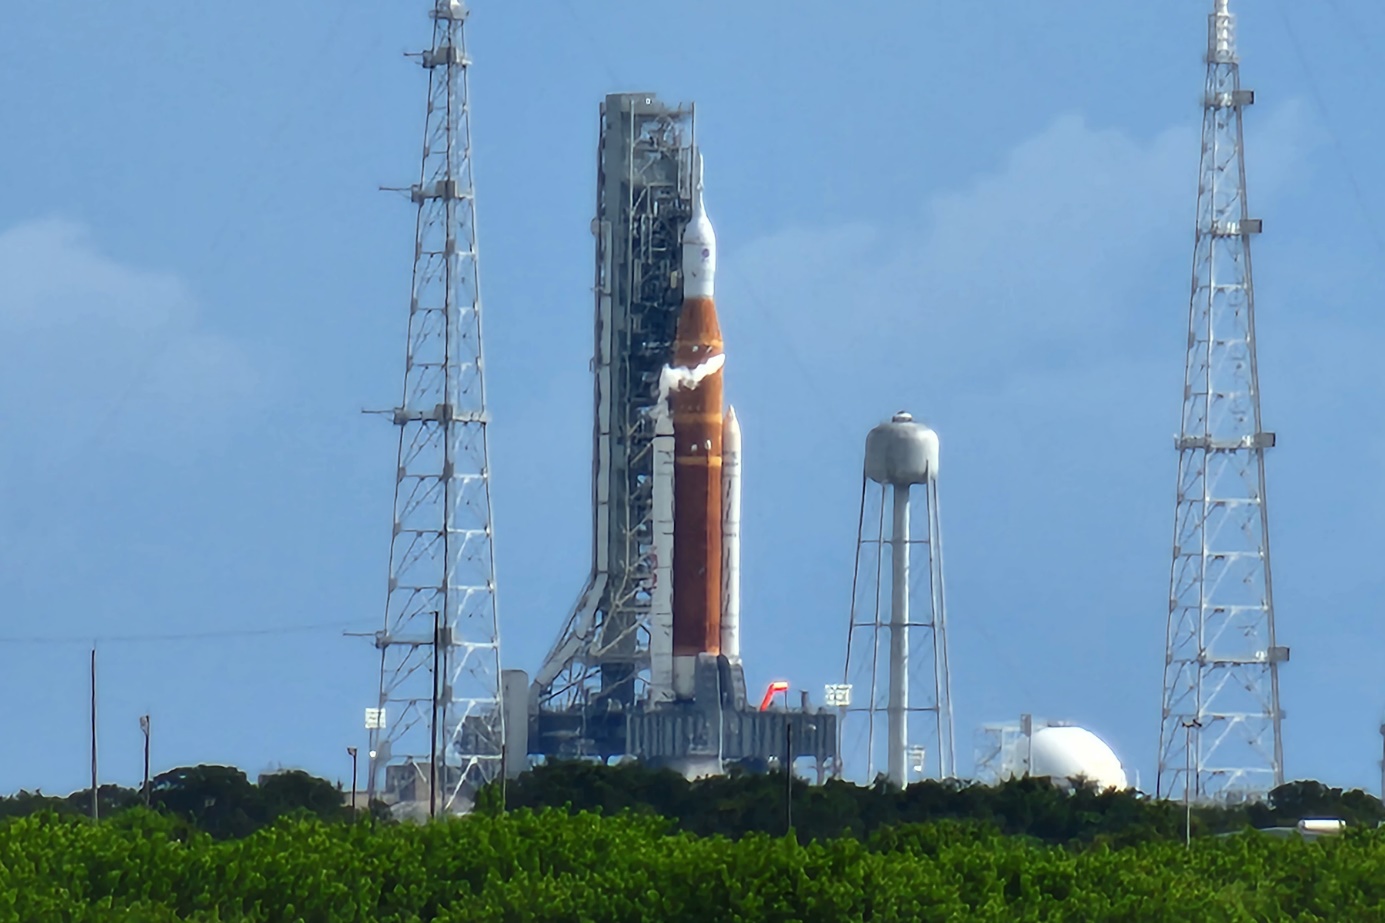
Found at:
<point>98,347</point>
<point>1045,258</point>
<point>1034,313</point>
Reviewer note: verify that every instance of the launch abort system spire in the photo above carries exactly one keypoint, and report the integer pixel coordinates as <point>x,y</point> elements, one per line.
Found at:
<point>440,648</point>
<point>1222,660</point>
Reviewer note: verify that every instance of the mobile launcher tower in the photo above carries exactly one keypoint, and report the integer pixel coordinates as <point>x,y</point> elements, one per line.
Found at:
<point>648,663</point>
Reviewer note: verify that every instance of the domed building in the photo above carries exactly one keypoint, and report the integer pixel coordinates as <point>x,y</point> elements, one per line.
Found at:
<point>1054,750</point>
<point>1065,753</point>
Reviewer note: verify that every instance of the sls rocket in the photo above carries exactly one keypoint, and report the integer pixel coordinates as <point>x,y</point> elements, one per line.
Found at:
<point>702,613</point>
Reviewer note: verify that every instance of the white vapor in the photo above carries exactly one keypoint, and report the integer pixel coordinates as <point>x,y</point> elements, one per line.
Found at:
<point>676,378</point>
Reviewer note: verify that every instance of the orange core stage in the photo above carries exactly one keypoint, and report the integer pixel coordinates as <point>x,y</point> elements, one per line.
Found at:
<point>697,490</point>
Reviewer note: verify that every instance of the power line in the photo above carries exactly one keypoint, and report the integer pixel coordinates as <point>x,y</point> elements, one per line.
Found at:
<point>318,91</point>
<point>1353,26</point>
<point>1321,104</point>
<point>581,25</point>
<point>336,627</point>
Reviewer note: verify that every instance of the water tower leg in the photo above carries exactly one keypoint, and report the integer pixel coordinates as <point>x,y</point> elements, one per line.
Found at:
<point>898,730</point>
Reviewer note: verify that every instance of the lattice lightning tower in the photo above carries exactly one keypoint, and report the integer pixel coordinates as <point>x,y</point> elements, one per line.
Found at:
<point>440,647</point>
<point>1220,733</point>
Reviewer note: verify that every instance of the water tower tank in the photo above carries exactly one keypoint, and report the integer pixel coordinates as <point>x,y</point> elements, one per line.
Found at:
<point>901,452</point>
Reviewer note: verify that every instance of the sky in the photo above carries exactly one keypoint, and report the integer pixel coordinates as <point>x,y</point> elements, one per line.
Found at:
<point>981,213</point>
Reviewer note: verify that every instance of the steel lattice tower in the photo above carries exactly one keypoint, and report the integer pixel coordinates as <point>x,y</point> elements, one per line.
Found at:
<point>440,647</point>
<point>1220,733</point>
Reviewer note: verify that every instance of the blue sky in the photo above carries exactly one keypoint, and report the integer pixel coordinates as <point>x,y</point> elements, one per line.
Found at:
<point>979,212</point>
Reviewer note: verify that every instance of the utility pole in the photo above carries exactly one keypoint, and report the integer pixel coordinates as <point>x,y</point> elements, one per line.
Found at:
<point>1382,763</point>
<point>1188,726</point>
<point>441,548</point>
<point>351,751</point>
<point>433,723</point>
<point>95,789</point>
<point>1222,656</point>
<point>144,787</point>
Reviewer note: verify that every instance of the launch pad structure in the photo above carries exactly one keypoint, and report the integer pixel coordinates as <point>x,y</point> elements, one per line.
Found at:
<point>644,162</point>
<point>605,689</point>
<point>648,662</point>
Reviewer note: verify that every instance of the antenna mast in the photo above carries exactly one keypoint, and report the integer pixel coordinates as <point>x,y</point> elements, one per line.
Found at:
<point>1221,673</point>
<point>441,563</point>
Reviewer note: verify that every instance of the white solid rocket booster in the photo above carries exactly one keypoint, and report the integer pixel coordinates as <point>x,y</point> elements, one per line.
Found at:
<point>731,536</point>
<point>661,603</point>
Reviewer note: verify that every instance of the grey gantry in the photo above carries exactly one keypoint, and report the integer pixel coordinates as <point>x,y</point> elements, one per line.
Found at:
<point>600,661</point>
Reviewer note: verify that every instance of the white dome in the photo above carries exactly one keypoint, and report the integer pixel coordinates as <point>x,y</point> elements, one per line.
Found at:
<point>1071,752</point>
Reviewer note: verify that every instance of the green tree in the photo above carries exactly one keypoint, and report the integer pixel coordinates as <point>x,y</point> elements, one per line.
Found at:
<point>1294,801</point>
<point>295,791</point>
<point>218,800</point>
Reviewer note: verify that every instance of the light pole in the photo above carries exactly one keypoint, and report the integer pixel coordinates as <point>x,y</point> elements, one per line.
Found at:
<point>144,729</point>
<point>433,724</point>
<point>1382,763</point>
<point>351,751</point>
<point>1188,725</point>
<point>95,786</point>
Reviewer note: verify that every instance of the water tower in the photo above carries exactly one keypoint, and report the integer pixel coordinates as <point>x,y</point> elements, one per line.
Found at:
<point>897,689</point>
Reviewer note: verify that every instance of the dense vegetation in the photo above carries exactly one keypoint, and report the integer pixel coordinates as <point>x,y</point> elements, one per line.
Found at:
<point>552,866</point>
<point>585,842</point>
<point>218,800</point>
<point>223,802</point>
<point>739,804</point>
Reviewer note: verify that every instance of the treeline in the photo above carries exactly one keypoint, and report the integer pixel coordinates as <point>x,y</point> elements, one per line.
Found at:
<point>578,841</point>
<point>555,866</point>
<point>739,804</point>
<point>220,801</point>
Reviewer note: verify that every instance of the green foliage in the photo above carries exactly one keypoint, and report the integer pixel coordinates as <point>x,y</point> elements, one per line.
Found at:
<point>26,803</point>
<point>284,793</point>
<point>744,803</point>
<point>1292,801</point>
<point>587,842</point>
<point>554,866</point>
<point>218,800</point>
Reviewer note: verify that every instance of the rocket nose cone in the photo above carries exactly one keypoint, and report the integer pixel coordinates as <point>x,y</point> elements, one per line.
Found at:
<point>699,245</point>
<point>699,229</point>
<point>730,431</point>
